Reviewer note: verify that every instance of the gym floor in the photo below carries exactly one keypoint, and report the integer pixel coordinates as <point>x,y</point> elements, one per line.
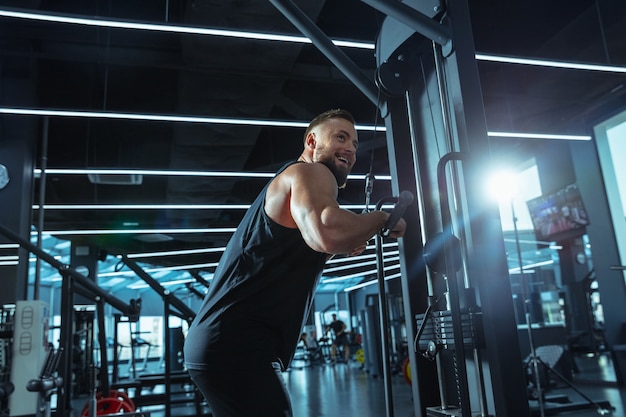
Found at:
<point>346,390</point>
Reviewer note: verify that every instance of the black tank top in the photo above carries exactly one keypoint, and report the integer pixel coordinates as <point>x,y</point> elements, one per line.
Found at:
<point>259,297</point>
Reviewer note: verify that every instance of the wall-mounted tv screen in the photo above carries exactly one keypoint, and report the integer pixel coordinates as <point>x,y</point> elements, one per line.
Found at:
<point>558,214</point>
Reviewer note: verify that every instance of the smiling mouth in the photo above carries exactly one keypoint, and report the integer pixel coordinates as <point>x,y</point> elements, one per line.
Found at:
<point>344,160</point>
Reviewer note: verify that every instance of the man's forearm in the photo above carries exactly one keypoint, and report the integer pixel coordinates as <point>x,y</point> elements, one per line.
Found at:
<point>341,231</point>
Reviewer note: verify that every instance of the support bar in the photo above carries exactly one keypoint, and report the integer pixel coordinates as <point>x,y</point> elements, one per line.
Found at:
<point>415,20</point>
<point>321,41</point>
<point>187,313</point>
<point>199,278</point>
<point>80,279</point>
<point>195,292</point>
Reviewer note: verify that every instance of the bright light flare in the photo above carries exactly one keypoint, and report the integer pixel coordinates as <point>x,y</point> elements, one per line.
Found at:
<point>502,185</point>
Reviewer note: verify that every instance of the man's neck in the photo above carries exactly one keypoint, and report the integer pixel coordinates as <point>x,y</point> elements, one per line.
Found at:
<point>304,158</point>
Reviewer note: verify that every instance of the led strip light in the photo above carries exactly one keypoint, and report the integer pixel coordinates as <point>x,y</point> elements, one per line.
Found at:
<point>83,171</point>
<point>372,282</point>
<point>247,122</point>
<point>351,266</point>
<point>135,231</point>
<point>120,24</point>
<point>549,63</point>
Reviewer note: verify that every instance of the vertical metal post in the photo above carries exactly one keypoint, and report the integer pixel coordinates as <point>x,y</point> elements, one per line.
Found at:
<point>531,341</point>
<point>384,322</point>
<point>133,346</point>
<point>405,172</point>
<point>67,326</point>
<point>168,366</point>
<point>104,355</point>
<point>116,357</point>
<point>42,200</point>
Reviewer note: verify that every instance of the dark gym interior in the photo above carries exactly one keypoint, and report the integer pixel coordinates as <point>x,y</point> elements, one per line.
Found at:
<point>135,134</point>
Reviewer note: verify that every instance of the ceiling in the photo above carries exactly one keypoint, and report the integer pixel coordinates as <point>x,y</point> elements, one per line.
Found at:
<point>102,69</point>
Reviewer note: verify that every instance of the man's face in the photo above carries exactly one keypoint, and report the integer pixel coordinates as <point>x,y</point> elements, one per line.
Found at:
<point>336,143</point>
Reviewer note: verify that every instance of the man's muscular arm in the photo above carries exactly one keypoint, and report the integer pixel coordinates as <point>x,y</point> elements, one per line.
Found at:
<point>324,225</point>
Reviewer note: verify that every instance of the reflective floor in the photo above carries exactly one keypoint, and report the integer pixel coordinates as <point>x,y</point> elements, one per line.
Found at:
<point>346,390</point>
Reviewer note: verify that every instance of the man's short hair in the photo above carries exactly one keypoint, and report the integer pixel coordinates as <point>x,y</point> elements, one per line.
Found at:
<point>327,115</point>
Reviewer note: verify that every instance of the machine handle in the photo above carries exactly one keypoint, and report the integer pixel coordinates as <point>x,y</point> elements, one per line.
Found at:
<point>405,198</point>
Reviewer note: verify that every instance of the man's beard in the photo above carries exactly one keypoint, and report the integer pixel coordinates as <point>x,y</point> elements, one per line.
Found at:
<point>339,174</point>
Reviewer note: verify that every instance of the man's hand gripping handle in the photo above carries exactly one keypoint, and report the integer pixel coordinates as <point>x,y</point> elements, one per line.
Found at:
<point>405,198</point>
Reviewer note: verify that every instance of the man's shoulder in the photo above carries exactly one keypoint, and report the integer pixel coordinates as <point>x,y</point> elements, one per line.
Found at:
<point>310,174</point>
<point>309,167</point>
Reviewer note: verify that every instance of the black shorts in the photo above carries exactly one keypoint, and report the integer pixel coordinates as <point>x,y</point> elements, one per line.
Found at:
<point>341,340</point>
<point>244,392</point>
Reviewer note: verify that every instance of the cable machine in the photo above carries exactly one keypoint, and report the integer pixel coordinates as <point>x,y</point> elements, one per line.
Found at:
<point>432,106</point>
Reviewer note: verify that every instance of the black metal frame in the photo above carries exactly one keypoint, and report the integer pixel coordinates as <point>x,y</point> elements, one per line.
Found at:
<point>412,157</point>
<point>181,310</point>
<point>73,281</point>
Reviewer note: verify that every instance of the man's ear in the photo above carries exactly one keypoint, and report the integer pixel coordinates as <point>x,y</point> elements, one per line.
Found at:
<point>310,140</point>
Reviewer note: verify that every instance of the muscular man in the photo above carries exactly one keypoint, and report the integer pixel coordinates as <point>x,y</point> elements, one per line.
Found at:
<point>245,333</point>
